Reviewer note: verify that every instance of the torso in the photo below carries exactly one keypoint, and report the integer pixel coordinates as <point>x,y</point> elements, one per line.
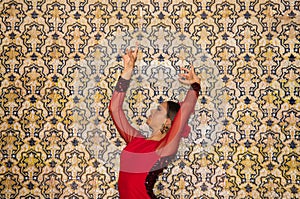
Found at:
<point>137,159</point>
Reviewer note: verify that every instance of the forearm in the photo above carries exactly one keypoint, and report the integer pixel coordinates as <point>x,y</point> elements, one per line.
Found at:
<point>117,113</point>
<point>116,102</point>
<point>188,105</point>
<point>169,144</point>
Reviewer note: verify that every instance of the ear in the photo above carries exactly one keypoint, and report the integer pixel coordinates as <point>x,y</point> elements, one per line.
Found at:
<point>168,122</point>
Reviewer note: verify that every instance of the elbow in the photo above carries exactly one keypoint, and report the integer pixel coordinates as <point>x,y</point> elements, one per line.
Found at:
<point>111,108</point>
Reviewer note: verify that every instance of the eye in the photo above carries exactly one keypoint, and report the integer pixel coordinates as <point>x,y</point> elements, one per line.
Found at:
<point>158,108</point>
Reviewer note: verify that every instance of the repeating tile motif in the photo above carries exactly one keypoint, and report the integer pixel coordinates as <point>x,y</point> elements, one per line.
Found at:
<point>60,61</point>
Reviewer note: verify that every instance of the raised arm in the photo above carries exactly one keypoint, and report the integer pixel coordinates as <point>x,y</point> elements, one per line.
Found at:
<point>116,103</point>
<point>169,144</point>
<point>117,112</point>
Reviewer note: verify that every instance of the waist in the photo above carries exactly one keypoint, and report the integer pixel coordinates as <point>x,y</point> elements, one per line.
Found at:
<point>132,185</point>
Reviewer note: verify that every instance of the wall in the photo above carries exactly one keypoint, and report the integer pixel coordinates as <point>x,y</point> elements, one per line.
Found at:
<point>60,61</point>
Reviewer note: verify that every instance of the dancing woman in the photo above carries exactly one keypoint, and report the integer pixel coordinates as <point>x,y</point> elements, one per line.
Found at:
<point>144,158</point>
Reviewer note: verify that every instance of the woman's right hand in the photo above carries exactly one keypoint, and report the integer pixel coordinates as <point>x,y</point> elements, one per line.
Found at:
<point>189,77</point>
<point>129,59</point>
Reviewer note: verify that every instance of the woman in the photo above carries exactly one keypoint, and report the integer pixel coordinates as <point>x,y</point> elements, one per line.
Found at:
<point>143,159</point>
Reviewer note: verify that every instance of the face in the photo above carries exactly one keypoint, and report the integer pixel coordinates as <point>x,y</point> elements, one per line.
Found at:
<point>158,116</point>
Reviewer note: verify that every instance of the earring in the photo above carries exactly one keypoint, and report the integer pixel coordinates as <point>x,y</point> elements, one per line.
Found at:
<point>164,129</point>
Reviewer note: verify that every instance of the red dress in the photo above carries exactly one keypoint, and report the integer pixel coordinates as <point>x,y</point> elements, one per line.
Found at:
<point>143,160</point>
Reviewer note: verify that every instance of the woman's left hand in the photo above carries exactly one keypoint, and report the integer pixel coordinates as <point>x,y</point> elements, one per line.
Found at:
<point>190,77</point>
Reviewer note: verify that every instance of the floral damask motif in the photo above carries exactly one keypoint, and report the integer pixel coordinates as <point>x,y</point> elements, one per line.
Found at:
<point>31,164</point>
<point>290,81</point>
<point>53,143</point>
<point>290,124</point>
<point>96,185</point>
<point>226,146</point>
<point>76,37</point>
<point>289,37</point>
<point>270,147</point>
<point>204,36</point>
<point>76,80</point>
<point>98,16</point>
<point>271,186</point>
<point>161,37</point>
<point>226,186</point>
<point>247,123</point>
<point>98,59</point>
<point>139,104</point>
<point>33,79</point>
<point>118,37</point>
<point>52,185</point>
<point>97,100</point>
<point>226,102</point>
<point>204,166</point>
<point>74,164</point>
<point>269,59</point>
<point>247,37</point>
<point>182,17</point>
<point>75,121</point>
<point>225,16</point>
<point>161,79</point>
<point>247,80</point>
<point>13,57</point>
<point>182,185</point>
<point>56,16</point>
<point>182,56</point>
<point>55,100</point>
<point>9,185</point>
<point>269,102</point>
<point>225,57</point>
<point>248,167</point>
<point>34,37</point>
<point>290,168</point>
<point>268,15</point>
<point>11,100</point>
<point>55,58</point>
<point>10,144</point>
<point>97,144</point>
<point>140,16</point>
<point>32,122</point>
<point>13,15</point>
<point>205,125</point>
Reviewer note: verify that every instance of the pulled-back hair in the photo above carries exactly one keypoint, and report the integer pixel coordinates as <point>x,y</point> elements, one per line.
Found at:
<point>173,108</point>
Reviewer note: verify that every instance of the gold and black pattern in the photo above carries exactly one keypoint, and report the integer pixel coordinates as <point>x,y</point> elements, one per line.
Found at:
<point>60,61</point>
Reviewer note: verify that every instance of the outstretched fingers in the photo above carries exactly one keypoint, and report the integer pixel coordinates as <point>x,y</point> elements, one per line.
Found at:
<point>189,76</point>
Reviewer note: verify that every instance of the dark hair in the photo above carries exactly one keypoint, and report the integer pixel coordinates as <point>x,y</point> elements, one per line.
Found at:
<point>173,108</point>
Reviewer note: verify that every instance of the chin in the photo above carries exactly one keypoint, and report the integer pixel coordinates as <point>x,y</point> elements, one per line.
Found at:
<point>148,123</point>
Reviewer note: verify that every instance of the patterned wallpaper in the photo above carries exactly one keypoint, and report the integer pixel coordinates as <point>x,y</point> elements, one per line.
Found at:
<point>60,61</point>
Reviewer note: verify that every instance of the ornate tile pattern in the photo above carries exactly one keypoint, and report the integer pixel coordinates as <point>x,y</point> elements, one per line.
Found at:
<point>60,61</point>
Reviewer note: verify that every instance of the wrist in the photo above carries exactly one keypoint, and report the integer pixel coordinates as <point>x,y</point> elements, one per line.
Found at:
<point>122,84</point>
<point>126,74</point>
<point>196,87</point>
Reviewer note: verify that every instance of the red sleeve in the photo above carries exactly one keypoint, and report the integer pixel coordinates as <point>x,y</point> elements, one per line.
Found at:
<point>117,113</point>
<point>169,144</point>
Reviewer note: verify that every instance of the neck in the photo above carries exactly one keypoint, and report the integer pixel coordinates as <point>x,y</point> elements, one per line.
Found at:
<point>156,135</point>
